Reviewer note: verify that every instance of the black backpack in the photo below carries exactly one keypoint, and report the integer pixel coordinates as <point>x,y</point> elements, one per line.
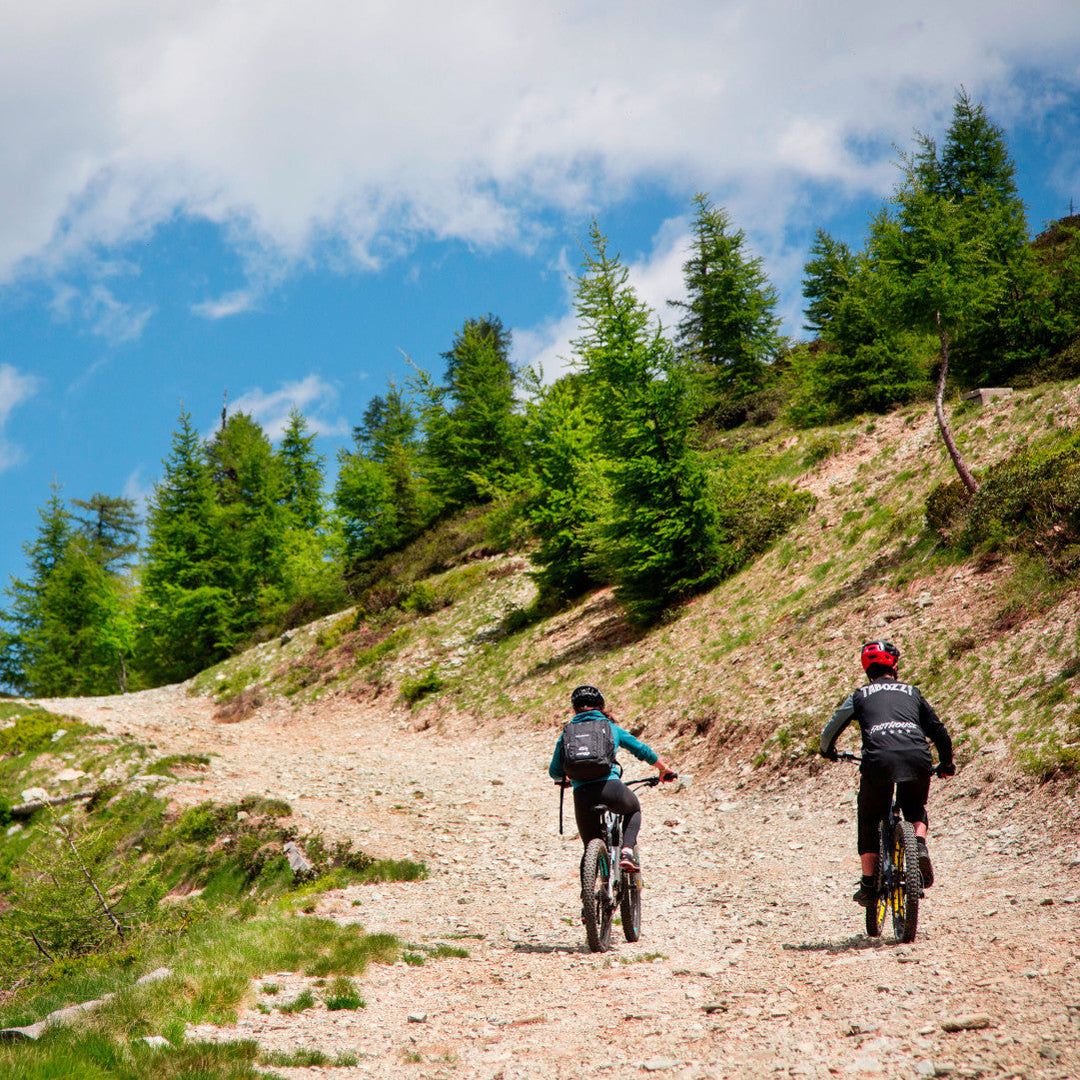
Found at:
<point>588,749</point>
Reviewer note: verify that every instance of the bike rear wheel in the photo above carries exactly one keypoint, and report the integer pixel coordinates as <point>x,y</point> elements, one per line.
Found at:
<point>630,905</point>
<point>596,907</point>
<point>907,883</point>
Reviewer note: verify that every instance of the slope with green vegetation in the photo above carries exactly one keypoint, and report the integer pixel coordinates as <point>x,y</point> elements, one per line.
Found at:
<point>97,893</point>
<point>979,593</point>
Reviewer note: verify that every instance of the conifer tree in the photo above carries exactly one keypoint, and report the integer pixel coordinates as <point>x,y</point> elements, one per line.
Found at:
<point>186,613</point>
<point>473,433</point>
<point>661,540</point>
<point>250,519</point>
<point>974,173</point>
<point>22,641</point>
<point>111,526</point>
<point>827,277</point>
<point>381,499</point>
<point>863,361</point>
<point>302,474</point>
<point>730,326</point>
<point>65,629</point>
<point>568,492</point>
<point>387,422</point>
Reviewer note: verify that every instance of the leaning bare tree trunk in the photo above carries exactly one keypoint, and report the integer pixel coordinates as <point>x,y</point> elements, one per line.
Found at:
<point>962,470</point>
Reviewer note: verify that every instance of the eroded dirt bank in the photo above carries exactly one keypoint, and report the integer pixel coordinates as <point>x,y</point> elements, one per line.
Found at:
<point>751,962</point>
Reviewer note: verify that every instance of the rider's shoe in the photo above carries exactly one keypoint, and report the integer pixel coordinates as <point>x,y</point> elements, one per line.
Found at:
<point>628,860</point>
<point>865,895</point>
<point>925,866</point>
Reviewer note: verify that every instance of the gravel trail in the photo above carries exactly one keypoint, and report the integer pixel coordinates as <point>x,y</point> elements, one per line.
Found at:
<point>751,963</point>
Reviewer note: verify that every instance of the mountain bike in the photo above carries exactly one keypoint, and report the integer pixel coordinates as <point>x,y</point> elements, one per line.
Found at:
<point>898,883</point>
<point>605,886</point>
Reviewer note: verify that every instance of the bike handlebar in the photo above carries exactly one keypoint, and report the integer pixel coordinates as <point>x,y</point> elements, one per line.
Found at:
<point>844,755</point>
<point>652,781</point>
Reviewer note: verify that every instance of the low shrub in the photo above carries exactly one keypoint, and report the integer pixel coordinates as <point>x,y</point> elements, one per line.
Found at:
<point>427,682</point>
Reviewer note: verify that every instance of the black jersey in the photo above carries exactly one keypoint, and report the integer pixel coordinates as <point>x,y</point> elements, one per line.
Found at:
<point>896,721</point>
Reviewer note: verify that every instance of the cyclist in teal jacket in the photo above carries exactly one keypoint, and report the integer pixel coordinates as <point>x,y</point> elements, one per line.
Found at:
<point>588,704</point>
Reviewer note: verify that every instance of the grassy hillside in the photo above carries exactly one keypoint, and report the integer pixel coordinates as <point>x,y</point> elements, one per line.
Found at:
<point>744,675</point>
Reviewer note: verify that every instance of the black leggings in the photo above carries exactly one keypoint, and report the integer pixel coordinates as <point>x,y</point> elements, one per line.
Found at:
<point>875,797</point>
<point>613,793</point>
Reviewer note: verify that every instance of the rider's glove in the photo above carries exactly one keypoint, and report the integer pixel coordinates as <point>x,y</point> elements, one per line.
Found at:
<point>830,755</point>
<point>946,770</point>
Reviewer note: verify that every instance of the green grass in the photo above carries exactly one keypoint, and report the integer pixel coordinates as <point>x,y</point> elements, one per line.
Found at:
<point>307,1059</point>
<point>343,994</point>
<point>213,965</point>
<point>164,766</point>
<point>304,1000</point>
<point>75,1054</point>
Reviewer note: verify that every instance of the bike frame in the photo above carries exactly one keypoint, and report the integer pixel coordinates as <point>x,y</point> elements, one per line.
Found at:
<point>889,879</point>
<point>611,832</point>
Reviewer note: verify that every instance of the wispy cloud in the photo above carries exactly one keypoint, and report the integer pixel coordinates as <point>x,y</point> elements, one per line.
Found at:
<point>139,490</point>
<point>234,303</point>
<point>105,315</point>
<point>15,388</point>
<point>311,396</point>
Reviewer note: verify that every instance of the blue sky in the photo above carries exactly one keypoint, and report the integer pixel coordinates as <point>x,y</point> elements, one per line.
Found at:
<point>280,200</point>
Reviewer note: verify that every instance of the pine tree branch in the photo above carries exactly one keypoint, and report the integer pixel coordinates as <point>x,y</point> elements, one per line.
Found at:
<point>41,948</point>
<point>93,885</point>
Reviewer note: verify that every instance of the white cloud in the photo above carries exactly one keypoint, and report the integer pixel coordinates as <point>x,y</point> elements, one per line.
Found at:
<point>98,307</point>
<point>15,388</point>
<point>139,490</point>
<point>656,279</point>
<point>345,131</point>
<point>311,396</point>
<point>234,303</point>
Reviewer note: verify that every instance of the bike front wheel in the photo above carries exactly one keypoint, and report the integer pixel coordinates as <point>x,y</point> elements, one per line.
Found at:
<point>596,906</point>
<point>906,884</point>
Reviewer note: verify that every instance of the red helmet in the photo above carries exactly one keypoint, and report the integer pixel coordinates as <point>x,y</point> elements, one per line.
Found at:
<point>880,652</point>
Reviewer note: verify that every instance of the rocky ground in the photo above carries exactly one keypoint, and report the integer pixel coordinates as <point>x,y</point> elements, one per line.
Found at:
<point>751,963</point>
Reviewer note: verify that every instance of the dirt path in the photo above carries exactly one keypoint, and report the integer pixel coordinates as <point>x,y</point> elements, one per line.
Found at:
<point>751,962</point>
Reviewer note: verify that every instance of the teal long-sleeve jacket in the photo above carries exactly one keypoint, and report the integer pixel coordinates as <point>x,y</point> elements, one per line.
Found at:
<point>622,739</point>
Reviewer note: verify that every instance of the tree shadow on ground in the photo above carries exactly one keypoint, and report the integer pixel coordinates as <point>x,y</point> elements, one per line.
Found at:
<point>867,579</point>
<point>858,943</point>
<point>612,632</point>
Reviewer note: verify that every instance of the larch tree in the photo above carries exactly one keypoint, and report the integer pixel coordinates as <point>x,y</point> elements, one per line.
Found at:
<point>185,610</point>
<point>472,426</point>
<point>730,326</point>
<point>567,496</point>
<point>660,541</point>
<point>302,471</point>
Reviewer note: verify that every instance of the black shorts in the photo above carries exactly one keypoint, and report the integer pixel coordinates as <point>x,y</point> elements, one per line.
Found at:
<point>613,793</point>
<point>875,798</point>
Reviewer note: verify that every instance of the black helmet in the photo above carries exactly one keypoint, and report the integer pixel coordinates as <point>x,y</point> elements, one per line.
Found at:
<point>586,697</point>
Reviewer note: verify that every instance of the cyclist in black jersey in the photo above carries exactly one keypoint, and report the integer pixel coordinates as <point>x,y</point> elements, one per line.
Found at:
<point>896,722</point>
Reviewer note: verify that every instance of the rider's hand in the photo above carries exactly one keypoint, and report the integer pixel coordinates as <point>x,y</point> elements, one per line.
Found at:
<point>832,755</point>
<point>666,774</point>
<point>947,770</point>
